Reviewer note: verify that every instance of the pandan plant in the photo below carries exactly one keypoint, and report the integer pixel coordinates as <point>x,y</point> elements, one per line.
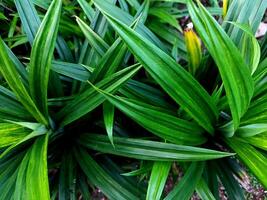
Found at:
<point>118,98</point>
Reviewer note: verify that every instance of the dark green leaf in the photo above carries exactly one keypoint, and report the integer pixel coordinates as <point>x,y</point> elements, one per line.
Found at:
<point>42,54</point>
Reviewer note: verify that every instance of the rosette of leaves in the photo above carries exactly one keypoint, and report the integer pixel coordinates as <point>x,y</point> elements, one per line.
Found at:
<point>108,99</point>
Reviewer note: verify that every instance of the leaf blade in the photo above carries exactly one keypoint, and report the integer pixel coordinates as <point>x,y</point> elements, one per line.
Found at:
<point>42,54</point>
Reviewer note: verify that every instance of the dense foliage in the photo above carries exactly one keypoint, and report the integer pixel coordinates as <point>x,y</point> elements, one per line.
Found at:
<point>119,95</point>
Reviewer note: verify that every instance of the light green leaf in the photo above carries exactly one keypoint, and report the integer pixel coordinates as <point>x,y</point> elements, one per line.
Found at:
<point>242,12</point>
<point>11,133</point>
<point>32,180</point>
<point>259,140</point>
<point>88,10</point>
<point>40,130</point>
<point>250,47</point>
<point>165,16</point>
<point>158,177</point>
<point>253,159</point>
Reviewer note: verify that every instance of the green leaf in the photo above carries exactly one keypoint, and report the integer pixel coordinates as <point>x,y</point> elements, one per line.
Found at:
<point>11,108</point>
<point>159,121</point>
<point>250,47</point>
<point>134,3</point>
<point>158,177</point>
<point>143,92</point>
<point>145,167</point>
<point>251,130</point>
<point>108,113</point>
<point>75,71</point>
<point>14,81</point>
<point>110,61</point>
<point>165,16</point>
<point>32,180</point>
<point>29,18</point>
<point>42,54</point>
<point>90,99</point>
<point>88,10</point>
<point>148,150</point>
<point>31,23</point>
<point>253,159</point>
<point>67,178</point>
<point>186,186</point>
<point>94,40</point>
<point>244,130</point>
<point>11,133</point>
<point>259,140</point>
<point>178,83</point>
<point>130,183</point>
<point>8,175</point>
<point>40,130</point>
<point>257,110</point>
<point>114,11</point>
<point>97,176</point>
<point>247,11</point>
<point>19,66</point>
<point>235,73</point>
<point>2,16</point>
<point>203,190</point>
<point>232,187</point>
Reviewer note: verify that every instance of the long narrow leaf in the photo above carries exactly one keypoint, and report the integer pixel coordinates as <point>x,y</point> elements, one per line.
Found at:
<point>185,188</point>
<point>235,73</point>
<point>159,121</point>
<point>90,99</point>
<point>100,178</point>
<point>32,181</point>
<point>12,77</point>
<point>254,160</point>
<point>158,177</point>
<point>178,83</point>
<point>42,54</point>
<point>148,150</point>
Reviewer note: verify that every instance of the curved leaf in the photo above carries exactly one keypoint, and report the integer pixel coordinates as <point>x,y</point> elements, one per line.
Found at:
<point>158,177</point>
<point>32,180</point>
<point>148,150</point>
<point>177,82</point>
<point>100,178</point>
<point>80,105</point>
<point>185,188</point>
<point>254,160</point>
<point>159,121</point>
<point>10,73</point>
<point>235,73</point>
<point>42,54</point>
